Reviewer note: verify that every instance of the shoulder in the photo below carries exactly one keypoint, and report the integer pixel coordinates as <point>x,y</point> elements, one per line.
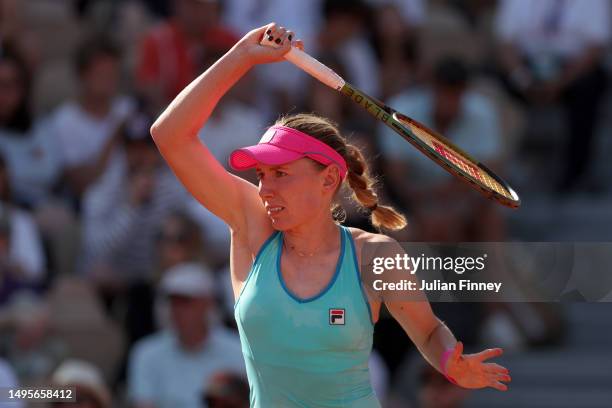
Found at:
<point>65,119</point>
<point>478,103</point>
<point>65,112</point>
<point>378,245</point>
<point>361,238</point>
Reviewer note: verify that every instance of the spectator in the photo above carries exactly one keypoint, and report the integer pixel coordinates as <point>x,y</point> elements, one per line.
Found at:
<point>90,389</point>
<point>468,120</point>
<point>395,39</point>
<point>343,33</point>
<point>178,241</point>
<point>122,209</point>
<point>174,52</point>
<point>32,346</point>
<point>22,139</point>
<point>172,368</point>
<point>226,390</point>
<point>22,260</point>
<point>120,216</point>
<point>276,89</point>
<point>552,52</point>
<point>86,129</point>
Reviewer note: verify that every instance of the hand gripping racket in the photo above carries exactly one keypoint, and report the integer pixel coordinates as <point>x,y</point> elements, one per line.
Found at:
<point>430,143</point>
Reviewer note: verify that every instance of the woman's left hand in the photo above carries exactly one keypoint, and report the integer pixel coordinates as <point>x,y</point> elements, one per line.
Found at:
<point>470,370</point>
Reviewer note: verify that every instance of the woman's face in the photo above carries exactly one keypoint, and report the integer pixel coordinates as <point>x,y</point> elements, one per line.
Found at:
<point>296,193</point>
<point>11,89</point>
<point>101,77</point>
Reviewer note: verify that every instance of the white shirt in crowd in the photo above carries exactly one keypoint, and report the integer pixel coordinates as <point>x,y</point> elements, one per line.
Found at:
<point>232,126</point>
<point>562,27</point>
<point>303,17</point>
<point>80,136</point>
<point>117,234</point>
<point>161,372</point>
<point>31,184</point>
<point>25,246</point>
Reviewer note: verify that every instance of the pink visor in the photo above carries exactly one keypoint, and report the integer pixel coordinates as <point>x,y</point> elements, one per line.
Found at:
<point>280,145</point>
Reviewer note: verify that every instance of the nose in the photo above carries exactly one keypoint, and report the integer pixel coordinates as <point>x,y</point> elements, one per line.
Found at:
<point>265,190</point>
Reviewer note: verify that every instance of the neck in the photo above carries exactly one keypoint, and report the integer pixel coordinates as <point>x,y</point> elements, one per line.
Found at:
<point>193,341</point>
<point>95,107</point>
<point>312,238</point>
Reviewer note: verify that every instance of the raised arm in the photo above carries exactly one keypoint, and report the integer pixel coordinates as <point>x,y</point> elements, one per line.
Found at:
<point>175,131</point>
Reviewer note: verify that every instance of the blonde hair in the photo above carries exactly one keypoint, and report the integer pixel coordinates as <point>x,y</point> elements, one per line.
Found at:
<point>358,177</point>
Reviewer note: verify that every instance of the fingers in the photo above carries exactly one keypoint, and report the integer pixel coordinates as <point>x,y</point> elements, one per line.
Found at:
<point>498,379</point>
<point>298,44</point>
<point>499,386</point>
<point>278,34</point>
<point>489,353</point>
<point>495,368</point>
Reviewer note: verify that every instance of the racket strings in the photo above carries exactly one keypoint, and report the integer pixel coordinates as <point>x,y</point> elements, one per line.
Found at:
<point>459,160</point>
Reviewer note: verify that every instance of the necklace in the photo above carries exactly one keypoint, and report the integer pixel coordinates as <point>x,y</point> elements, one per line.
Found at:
<point>301,254</point>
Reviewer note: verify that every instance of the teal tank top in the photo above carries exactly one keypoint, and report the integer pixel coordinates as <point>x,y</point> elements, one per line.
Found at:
<point>307,353</point>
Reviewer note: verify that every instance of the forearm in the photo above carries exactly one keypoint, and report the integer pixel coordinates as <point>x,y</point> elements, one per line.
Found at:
<point>191,108</point>
<point>439,340</point>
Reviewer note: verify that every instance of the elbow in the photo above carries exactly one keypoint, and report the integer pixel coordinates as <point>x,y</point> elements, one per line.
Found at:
<point>159,134</point>
<point>155,131</point>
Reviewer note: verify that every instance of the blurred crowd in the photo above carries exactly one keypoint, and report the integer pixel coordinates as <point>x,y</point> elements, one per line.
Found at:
<point>113,279</point>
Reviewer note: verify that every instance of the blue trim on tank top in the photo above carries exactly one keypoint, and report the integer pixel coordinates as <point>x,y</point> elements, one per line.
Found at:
<point>259,253</point>
<point>359,282</point>
<point>329,285</point>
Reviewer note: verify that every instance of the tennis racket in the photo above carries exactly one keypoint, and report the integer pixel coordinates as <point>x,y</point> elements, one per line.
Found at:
<point>433,145</point>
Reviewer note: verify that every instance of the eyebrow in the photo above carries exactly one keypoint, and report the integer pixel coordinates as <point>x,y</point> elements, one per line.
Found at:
<point>280,166</point>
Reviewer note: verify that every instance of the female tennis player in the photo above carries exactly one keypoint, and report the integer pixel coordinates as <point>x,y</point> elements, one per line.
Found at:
<point>304,318</point>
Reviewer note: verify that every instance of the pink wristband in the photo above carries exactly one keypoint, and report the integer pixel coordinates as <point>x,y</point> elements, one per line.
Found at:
<point>447,353</point>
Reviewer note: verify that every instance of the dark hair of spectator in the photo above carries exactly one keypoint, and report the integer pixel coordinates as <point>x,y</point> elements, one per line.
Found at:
<point>93,48</point>
<point>451,72</point>
<point>21,119</point>
<point>356,8</point>
<point>188,231</point>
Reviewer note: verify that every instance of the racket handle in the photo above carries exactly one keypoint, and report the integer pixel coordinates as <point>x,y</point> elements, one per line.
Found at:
<point>309,64</point>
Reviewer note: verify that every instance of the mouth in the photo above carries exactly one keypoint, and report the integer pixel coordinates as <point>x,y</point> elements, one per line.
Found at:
<point>274,209</point>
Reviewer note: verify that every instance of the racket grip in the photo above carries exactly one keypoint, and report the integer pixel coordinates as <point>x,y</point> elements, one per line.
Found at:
<point>310,65</point>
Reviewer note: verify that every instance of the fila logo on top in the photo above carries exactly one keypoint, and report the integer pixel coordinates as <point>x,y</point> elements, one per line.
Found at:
<point>336,317</point>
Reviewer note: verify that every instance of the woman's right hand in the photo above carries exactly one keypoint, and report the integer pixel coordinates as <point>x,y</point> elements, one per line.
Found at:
<point>256,53</point>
